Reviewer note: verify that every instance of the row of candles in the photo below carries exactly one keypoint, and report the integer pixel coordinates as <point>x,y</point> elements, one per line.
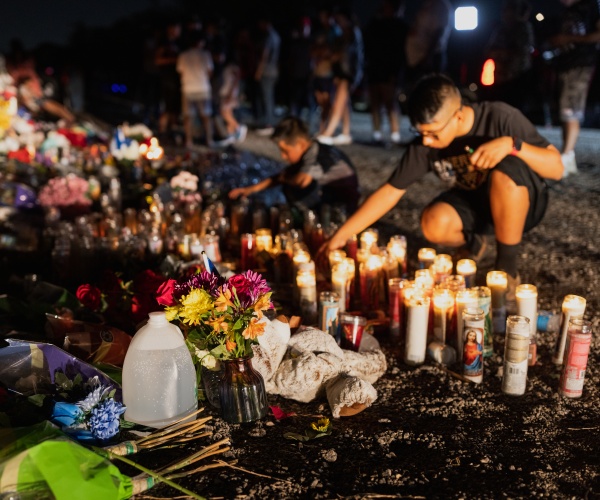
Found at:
<point>432,314</point>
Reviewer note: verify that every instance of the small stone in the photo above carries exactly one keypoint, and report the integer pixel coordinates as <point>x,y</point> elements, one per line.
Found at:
<point>329,455</point>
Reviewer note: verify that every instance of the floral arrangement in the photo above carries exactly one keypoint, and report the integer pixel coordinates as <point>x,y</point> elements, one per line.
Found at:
<point>184,187</point>
<point>125,303</point>
<point>220,317</point>
<point>66,191</point>
<point>96,416</point>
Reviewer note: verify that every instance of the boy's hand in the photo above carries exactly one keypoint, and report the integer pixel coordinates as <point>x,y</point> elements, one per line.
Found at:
<point>237,192</point>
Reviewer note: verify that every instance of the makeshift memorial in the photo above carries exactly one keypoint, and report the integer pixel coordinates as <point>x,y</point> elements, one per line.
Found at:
<point>221,321</point>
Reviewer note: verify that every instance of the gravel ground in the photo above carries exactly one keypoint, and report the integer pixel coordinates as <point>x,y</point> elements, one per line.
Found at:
<point>429,434</point>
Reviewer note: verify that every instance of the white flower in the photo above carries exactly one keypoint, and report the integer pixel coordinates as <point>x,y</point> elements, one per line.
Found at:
<point>207,359</point>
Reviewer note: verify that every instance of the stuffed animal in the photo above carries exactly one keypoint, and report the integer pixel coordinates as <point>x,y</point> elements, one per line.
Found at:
<point>309,365</point>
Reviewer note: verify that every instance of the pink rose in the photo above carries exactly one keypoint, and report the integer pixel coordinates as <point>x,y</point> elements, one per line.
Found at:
<point>89,296</point>
<point>164,294</point>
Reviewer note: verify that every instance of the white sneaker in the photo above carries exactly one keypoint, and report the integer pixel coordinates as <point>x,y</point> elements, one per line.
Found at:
<point>568,160</point>
<point>266,131</point>
<point>377,136</point>
<point>240,133</point>
<point>325,139</point>
<point>395,137</point>
<point>342,139</point>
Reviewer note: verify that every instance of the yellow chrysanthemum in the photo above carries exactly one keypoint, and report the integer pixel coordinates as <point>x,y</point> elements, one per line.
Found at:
<point>194,305</point>
<point>171,312</point>
<point>321,425</point>
<point>254,329</point>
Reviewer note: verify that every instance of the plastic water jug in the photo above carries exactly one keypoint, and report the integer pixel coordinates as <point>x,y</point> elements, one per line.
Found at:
<point>159,378</point>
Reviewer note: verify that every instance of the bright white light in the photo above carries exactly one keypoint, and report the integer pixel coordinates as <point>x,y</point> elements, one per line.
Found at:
<point>539,16</point>
<point>465,18</point>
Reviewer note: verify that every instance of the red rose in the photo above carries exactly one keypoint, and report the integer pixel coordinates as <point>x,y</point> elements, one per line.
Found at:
<point>164,294</point>
<point>89,296</point>
<point>240,283</point>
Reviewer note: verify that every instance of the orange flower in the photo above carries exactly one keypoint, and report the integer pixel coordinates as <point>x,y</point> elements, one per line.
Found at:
<point>223,301</point>
<point>263,303</point>
<point>254,329</point>
<point>217,324</point>
<point>230,345</point>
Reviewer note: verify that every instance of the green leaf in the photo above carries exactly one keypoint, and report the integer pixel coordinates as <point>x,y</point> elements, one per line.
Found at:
<point>37,399</point>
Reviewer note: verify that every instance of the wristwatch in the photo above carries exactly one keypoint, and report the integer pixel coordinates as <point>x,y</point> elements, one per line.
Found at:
<point>517,143</point>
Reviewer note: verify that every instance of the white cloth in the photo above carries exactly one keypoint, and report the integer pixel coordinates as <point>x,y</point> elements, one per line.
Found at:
<point>195,67</point>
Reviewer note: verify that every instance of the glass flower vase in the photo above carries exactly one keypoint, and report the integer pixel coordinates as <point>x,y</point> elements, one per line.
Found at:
<point>242,392</point>
<point>210,383</point>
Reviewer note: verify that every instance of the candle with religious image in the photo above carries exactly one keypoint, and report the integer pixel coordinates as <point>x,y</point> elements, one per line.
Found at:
<point>516,353</point>
<point>248,251</point>
<point>397,248</point>
<point>577,350</point>
<point>472,351</point>
<point>465,299</point>
<point>329,305</point>
<point>527,306</point>
<point>441,267</point>
<point>485,303</point>
<point>369,274</point>
<point>342,276</point>
<point>306,283</point>
<point>573,307</point>
<point>417,319</point>
<point>468,269</point>
<point>397,311</point>
<point>497,282</point>
<point>425,257</point>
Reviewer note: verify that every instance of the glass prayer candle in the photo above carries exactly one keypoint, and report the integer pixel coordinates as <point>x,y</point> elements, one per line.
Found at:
<point>368,239</point>
<point>527,306</point>
<point>454,282</point>
<point>329,304</point>
<point>472,342</point>
<point>341,280</point>
<point>397,248</point>
<point>417,319</point>
<point>468,269</point>
<point>336,256</point>
<point>497,282</point>
<point>210,242</point>
<point>443,310</point>
<point>485,303</point>
<point>352,247</point>
<point>424,278</point>
<point>441,267</point>
<point>396,306</point>
<point>464,299</point>
<point>577,350</point>
<point>306,283</point>
<point>516,353</point>
<point>425,257</point>
<point>369,275</point>
<point>248,251</point>
<point>573,307</point>
<point>264,240</point>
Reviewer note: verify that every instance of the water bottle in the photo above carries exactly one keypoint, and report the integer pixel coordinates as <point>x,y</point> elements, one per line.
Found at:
<point>548,321</point>
<point>159,378</point>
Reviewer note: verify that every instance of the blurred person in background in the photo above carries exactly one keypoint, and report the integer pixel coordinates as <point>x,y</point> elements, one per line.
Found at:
<point>576,54</point>
<point>267,74</point>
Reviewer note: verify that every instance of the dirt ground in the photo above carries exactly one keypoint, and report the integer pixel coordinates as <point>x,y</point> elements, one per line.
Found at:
<point>430,434</point>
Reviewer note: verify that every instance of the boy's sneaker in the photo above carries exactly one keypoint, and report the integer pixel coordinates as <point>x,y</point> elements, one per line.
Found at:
<point>568,160</point>
<point>342,139</point>
<point>240,134</point>
<point>481,250</point>
<point>395,137</point>
<point>325,139</point>
<point>377,137</point>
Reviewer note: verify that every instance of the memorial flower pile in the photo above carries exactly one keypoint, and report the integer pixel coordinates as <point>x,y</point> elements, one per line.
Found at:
<point>220,317</point>
<point>66,191</point>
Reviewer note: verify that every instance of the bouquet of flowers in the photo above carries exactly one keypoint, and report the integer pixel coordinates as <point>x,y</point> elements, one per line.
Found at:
<point>184,187</point>
<point>66,191</point>
<point>220,317</point>
<point>96,416</point>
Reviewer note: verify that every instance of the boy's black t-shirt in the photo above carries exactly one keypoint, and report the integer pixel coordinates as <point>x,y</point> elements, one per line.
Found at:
<point>451,164</point>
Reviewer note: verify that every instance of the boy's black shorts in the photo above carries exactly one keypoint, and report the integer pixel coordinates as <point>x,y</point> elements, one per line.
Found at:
<point>473,207</point>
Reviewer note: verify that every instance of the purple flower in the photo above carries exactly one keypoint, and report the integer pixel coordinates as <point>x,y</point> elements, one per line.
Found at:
<point>205,280</point>
<point>257,283</point>
<point>249,286</point>
<point>104,422</point>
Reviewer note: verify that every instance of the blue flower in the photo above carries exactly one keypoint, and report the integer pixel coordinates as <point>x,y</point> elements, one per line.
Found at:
<point>104,421</point>
<point>66,414</point>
